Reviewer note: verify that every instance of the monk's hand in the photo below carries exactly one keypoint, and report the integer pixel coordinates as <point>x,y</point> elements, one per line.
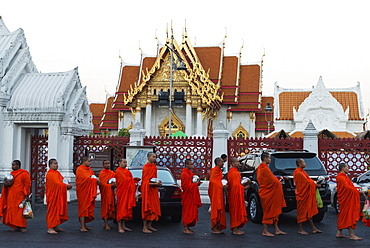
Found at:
<point>159,184</point>
<point>199,182</point>
<point>7,183</point>
<point>247,187</point>
<point>69,186</point>
<point>226,186</point>
<point>318,186</point>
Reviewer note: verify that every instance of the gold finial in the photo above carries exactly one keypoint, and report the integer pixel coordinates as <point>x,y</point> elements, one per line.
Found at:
<point>167,30</point>
<point>171,29</point>
<point>186,32</point>
<point>240,53</point>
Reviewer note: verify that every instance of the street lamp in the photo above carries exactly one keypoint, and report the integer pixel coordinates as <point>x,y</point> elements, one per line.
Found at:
<point>268,108</point>
<point>181,67</point>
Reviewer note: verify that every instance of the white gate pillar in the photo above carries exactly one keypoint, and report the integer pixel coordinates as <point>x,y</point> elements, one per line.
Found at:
<point>310,140</point>
<point>220,136</point>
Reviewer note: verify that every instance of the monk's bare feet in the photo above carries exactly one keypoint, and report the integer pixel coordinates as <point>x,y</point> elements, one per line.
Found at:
<point>23,230</point>
<point>279,232</point>
<point>341,235</point>
<point>88,228</point>
<point>216,231</point>
<point>83,230</point>
<point>127,229</point>
<point>121,231</point>
<point>188,231</point>
<point>303,232</point>
<point>355,238</point>
<point>146,230</point>
<point>152,229</point>
<point>237,232</point>
<point>316,231</point>
<point>58,229</point>
<point>17,229</point>
<point>107,227</point>
<point>52,231</point>
<point>268,234</point>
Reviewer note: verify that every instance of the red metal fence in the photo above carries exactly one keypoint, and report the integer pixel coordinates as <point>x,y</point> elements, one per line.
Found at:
<point>354,152</point>
<point>238,147</point>
<point>172,152</point>
<point>39,159</point>
<point>109,147</point>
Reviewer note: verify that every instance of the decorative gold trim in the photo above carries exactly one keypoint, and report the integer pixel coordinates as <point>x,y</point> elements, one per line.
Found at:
<point>130,126</point>
<point>240,132</point>
<point>197,78</point>
<point>163,127</point>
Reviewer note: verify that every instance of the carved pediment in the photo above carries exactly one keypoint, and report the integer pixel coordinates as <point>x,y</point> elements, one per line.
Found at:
<point>323,109</point>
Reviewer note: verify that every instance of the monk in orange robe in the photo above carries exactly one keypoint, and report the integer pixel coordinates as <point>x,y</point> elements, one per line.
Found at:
<point>349,204</point>
<point>216,195</point>
<point>56,198</point>
<point>237,208</point>
<point>190,197</point>
<point>86,183</point>
<point>271,195</point>
<point>107,209</point>
<point>13,193</point>
<point>126,195</point>
<point>305,193</point>
<point>151,208</point>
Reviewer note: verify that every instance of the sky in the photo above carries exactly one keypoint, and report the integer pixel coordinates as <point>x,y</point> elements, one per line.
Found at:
<point>301,40</point>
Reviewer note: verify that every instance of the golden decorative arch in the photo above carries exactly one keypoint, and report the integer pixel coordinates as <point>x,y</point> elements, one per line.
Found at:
<point>240,132</point>
<point>177,125</point>
<point>130,126</point>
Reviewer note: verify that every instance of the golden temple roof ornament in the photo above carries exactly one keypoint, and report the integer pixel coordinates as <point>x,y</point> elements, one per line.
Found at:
<point>197,78</point>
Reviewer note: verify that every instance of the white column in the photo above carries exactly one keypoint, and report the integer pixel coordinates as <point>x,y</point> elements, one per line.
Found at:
<point>188,121</point>
<point>53,139</point>
<point>199,121</point>
<point>148,118</point>
<point>310,140</point>
<point>138,114</point>
<point>7,152</point>
<point>220,136</point>
<point>2,141</point>
<point>252,124</point>
<point>65,161</point>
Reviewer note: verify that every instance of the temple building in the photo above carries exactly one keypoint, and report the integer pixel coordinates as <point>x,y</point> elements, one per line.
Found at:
<point>336,112</point>
<point>189,87</point>
<point>34,103</point>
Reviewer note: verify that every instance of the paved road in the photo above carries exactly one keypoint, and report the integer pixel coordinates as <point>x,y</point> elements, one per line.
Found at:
<point>170,234</point>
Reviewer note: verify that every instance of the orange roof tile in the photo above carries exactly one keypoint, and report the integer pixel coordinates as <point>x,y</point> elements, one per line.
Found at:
<point>210,59</point>
<point>97,110</point>
<point>288,100</point>
<point>110,116</point>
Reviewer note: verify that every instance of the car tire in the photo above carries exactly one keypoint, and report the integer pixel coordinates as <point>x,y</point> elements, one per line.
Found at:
<point>318,217</point>
<point>336,204</point>
<point>176,218</point>
<point>254,209</point>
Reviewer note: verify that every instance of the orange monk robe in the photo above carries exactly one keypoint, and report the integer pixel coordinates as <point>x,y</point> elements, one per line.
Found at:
<point>125,192</point>
<point>237,208</point>
<point>12,196</point>
<point>216,195</point>
<point>86,192</point>
<point>56,199</point>
<point>190,198</point>
<point>107,209</point>
<point>150,209</point>
<point>271,194</point>
<point>305,194</point>
<point>349,202</point>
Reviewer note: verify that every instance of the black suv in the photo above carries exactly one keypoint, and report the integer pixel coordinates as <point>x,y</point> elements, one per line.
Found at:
<point>283,165</point>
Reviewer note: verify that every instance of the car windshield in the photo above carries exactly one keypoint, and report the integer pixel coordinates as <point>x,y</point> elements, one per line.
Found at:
<point>164,175</point>
<point>290,163</point>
